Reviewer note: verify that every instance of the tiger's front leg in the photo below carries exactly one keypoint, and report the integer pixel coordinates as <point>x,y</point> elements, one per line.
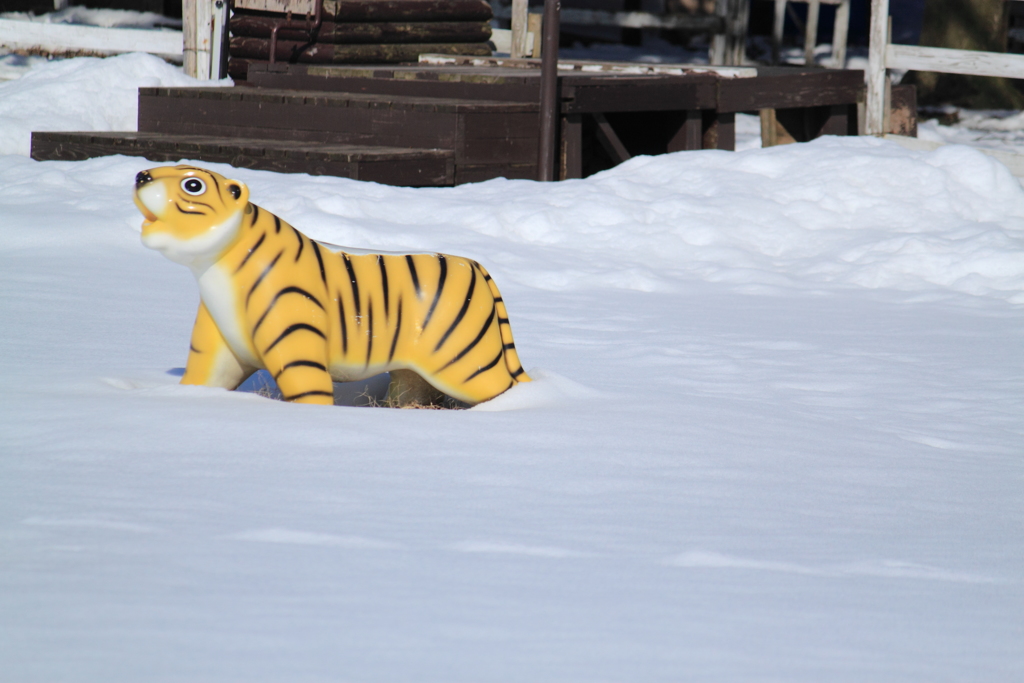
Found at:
<point>295,354</point>
<point>211,363</point>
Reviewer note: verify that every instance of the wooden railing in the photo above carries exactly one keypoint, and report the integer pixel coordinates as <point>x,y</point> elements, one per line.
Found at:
<point>882,56</point>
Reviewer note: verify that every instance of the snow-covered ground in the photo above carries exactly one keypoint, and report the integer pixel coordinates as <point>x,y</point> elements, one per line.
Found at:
<point>776,434</point>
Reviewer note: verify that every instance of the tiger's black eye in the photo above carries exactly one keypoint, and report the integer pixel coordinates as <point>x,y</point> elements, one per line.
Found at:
<point>193,186</point>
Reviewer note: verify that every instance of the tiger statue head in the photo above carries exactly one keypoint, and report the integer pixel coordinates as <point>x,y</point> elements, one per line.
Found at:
<point>192,215</point>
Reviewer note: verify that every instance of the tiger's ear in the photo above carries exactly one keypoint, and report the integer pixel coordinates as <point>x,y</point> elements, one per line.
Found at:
<point>239,191</point>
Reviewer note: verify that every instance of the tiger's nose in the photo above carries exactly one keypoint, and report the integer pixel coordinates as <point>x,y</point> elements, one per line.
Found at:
<point>142,178</point>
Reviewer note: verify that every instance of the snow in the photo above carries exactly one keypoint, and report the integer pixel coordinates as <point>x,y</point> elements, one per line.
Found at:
<point>105,18</point>
<point>775,433</point>
<point>85,94</point>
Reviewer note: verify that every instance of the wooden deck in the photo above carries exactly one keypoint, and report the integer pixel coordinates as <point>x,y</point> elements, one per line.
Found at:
<point>454,124</point>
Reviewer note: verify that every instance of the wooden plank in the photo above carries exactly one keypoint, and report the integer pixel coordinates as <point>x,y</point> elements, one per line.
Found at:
<point>497,151</point>
<point>408,167</point>
<point>903,114</point>
<point>380,10</point>
<point>454,88</point>
<point>718,130</point>
<point>337,99</point>
<point>259,26</point>
<point>488,125</point>
<point>60,39</point>
<point>571,147</point>
<point>591,67</point>
<point>943,60</point>
<point>652,94</point>
<point>801,89</point>
<point>707,23</point>
<point>609,139</point>
<point>689,136</point>
<point>325,53</point>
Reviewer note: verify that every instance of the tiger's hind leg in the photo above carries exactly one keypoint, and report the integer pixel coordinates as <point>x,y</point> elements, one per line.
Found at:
<point>408,389</point>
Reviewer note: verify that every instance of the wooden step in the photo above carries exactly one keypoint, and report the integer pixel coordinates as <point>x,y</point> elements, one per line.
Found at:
<point>387,165</point>
<point>489,139</point>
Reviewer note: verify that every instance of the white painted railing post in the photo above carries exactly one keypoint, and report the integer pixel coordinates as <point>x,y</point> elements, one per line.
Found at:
<point>878,37</point>
<point>520,49</point>
<point>811,30</point>
<point>840,29</point>
<point>197,34</point>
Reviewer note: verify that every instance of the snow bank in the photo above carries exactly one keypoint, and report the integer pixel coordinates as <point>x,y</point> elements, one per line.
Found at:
<point>85,94</point>
<point>104,18</point>
<point>837,212</point>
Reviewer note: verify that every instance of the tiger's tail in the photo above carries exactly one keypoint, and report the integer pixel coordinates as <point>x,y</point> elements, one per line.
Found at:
<point>515,367</point>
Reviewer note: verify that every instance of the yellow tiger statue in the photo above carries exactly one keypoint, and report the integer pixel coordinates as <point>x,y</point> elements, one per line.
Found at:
<point>274,299</point>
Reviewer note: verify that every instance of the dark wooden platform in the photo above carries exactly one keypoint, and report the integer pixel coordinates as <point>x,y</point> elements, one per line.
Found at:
<point>425,125</point>
<point>394,166</point>
<point>487,139</point>
<point>607,117</point>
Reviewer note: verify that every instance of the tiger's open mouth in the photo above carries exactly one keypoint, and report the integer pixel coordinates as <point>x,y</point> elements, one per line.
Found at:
<point>149,215</point>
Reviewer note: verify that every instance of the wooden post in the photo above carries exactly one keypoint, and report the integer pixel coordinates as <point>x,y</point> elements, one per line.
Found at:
<point>718,41</point>
<point>777,28</point>
<point>736,32</point>
<point>535,27</point>
<point>197,19</point>
<point>219,43</point>
<point>549,91</point>
<point>520,9</point>
<point>840,30</point>
<point>874,107</point>
<point>811,30</point>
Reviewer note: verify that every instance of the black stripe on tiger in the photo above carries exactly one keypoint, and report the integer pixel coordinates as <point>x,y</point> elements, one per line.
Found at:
<point>502,321</point>
<point>398,329</point>
<point>301,364</point>
<point>487,367</point>
<point>301,244</point>
<point>255,215</point>
<point>193,202</point>
<point>286,290</point>
<point>320,260</point>
<point>412,273</point>
<point>509,346</point>
<point>252,250</point>
<point>277,225</point>
<point>344,325</point>
<point>307,393</point>
<point>384,286</point>
<point>518,372</point>
<point>440,286</point>
<point>291,329</point>
<point>461,315</point>
<point>214,179</point>
<point>355,283</point>
<point>472,344</point>
<point>266,271</point>
<point>193,349</point>
<point>369,316</point>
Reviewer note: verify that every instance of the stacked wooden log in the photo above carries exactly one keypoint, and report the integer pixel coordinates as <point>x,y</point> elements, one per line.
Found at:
<point>356,31</point>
